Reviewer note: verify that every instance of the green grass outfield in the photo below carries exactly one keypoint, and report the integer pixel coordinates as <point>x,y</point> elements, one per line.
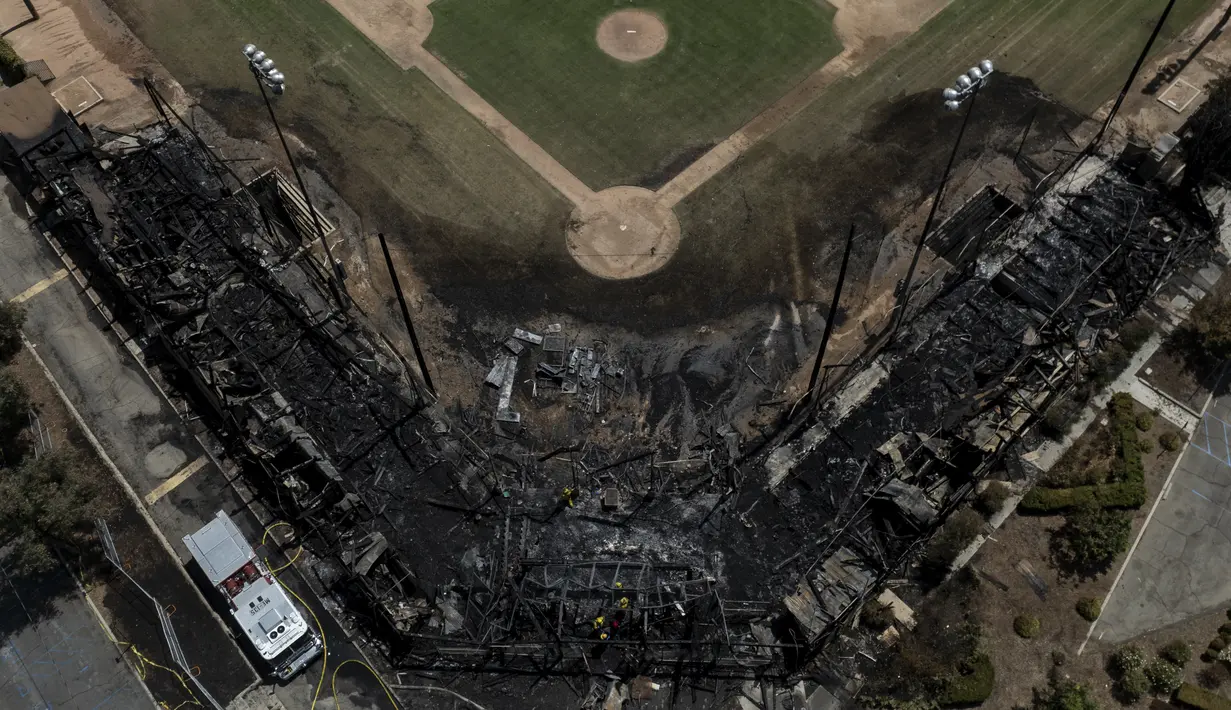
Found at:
<point>613,122</point>
<point>395,138</point>
<point>1079,51</point>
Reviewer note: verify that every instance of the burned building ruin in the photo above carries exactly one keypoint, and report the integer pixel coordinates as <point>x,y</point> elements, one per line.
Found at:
<point>454,548</point>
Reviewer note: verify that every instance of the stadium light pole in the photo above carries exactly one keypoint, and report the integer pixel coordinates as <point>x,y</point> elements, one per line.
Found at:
<point>966,87</point>
<point>268,76</point>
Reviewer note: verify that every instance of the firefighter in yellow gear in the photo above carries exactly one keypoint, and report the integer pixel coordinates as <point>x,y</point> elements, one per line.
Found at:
<point>598,622</point>
<point>624,602</point>
<point>569,495</point>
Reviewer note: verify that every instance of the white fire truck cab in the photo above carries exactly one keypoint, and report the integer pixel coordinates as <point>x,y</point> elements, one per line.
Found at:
<point>259,605</point>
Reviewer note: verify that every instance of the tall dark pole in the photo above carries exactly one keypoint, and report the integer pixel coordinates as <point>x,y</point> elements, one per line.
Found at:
<point>336,287</point>
<point>410,326</point>
<point>1026,133</point>
<point>833,313</point>
<point>1132,76</point>
<point>904,298</point>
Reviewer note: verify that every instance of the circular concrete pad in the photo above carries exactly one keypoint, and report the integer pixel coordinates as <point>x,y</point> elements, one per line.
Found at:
<point>625,232</point>
<point>632,35</point>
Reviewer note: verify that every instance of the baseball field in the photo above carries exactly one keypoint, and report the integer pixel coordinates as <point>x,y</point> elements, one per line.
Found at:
<point>614,122</point>
<point>484,218</point>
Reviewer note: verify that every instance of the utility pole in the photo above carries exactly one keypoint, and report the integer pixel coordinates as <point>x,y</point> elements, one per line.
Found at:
<point>966,87</point>
<point>1132,75</point>
<point>267,75</point>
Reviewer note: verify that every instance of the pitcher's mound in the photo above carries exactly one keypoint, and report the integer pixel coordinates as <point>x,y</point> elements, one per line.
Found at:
<point>632,35</point>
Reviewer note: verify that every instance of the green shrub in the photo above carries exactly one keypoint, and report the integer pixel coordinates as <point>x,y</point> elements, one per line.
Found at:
<point>877,615</point>
<point>1224,629</point>
<point>1145,446</point>
<point>12,318</point>
<point>1126,659</point>
<point>1164,676</point>
<point>1058,417</point>
<point>1217,645</point>
<point>1064,695</point>
<point>14,416</point>
<point>973,686</point>
<point>884,702</point>
<point>1169,442</point>
<point>11,64</point>
<point>1027,626</point>
<point>1195,697</point>
<point>955,535</point>
<point>1058,658</point>
<point>1089,608</point>
<point>1177,652</point>
<point>1132,686</point>
<point>1213,677</point>
<point>1091,539</point>
<point>1145,421</point>
<point>1135,333</point>
<point>992,498</point>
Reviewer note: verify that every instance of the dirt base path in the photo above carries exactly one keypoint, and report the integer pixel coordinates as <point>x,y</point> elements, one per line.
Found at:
<point>513,137</point>
<point>626,232</point>
<point>866,28</point>
<point>398,27</point>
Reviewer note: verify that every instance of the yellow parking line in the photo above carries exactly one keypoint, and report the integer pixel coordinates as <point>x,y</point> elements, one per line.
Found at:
<point>39,287</point>
<point>171,483</point>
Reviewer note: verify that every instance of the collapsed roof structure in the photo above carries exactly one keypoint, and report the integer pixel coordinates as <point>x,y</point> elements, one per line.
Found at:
<point>456,550</point>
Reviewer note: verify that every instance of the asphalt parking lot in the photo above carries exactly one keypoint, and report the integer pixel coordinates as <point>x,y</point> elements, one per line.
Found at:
<point>1179,568</point>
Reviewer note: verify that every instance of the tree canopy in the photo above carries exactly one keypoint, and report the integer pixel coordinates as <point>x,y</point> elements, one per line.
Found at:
<point>47,501</point>
<point>12,318</point>
<point>1091,538</point>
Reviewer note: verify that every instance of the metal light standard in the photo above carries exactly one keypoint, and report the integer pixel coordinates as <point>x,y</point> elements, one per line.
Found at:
<point>268,76</point>
<point>966,87</point>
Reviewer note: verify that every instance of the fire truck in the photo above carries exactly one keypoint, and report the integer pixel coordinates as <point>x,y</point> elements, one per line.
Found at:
<point>258,604</point>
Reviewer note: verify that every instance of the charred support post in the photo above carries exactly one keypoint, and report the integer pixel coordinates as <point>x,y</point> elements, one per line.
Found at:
<point>832,315</point>
<point>968,86</point>
<point>410,326</point>
<point>1034,112</point>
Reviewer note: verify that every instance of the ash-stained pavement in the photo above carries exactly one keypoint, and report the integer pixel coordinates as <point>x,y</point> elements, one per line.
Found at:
<point>149,443</point>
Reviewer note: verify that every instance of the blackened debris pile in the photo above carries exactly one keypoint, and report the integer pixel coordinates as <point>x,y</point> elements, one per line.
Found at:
<point>586,373</point>
<point>464,551</point>
<point>907,438</point>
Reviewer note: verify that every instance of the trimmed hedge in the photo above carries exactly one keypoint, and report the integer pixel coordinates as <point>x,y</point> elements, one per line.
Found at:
<point>971,687</point>
<point>1108,495</point>
<point>1196,697</point>
<point>1129,492</point>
